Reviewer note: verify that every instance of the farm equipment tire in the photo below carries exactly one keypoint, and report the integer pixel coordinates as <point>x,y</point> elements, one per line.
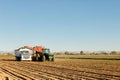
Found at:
<point>18,58</point>
<point>53,59</point>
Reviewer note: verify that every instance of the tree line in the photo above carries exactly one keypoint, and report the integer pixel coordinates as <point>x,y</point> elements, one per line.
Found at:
<point>88,53</point>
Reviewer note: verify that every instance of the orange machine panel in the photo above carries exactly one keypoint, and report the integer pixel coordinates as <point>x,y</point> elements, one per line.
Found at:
<point>38,48</point>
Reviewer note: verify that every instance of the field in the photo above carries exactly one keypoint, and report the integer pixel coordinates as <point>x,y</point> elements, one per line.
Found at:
<point>64,68</point>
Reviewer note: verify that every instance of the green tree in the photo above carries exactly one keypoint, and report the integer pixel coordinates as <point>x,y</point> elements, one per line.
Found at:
<point>113,53</point>
<point>81,53</point>
<point>66,53</point>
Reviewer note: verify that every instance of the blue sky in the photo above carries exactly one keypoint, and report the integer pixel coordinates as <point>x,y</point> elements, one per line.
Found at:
<point>61,25</point>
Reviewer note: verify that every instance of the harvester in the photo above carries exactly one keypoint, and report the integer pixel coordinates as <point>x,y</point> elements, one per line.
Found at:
<point>37,53</point>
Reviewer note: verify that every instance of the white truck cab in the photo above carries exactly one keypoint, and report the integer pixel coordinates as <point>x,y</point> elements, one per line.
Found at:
<point>23,54</point>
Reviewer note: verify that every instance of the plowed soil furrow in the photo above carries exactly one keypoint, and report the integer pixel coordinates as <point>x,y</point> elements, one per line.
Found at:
<point>28,75</point>
<point>4,76</point>
<point>26,70</point>
<point>16,74</point>
<point>92,74</point>
<point>69,72</point>
<point>38,72</point>
<point>43,72</point>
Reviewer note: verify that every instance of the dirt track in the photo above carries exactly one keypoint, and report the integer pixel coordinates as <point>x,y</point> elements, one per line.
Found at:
<point>60,69</point>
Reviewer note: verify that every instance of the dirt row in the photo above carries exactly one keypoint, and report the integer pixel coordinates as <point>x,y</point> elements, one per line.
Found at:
<point>58,70</point>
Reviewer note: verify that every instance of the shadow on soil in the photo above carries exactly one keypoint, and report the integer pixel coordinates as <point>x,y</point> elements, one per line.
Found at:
<point>7,60</point>
<point>15,60</point>
<point>101,58</point>
<point>90,58</point>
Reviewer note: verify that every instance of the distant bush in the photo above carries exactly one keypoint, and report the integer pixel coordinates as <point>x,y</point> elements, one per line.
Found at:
<point>81,53</point>
<point>66,53</point>
<point>113,53</point>
<point>8,54</point>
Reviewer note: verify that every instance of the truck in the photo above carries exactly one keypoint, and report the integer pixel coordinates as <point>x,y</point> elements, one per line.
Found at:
<point>37,53</point>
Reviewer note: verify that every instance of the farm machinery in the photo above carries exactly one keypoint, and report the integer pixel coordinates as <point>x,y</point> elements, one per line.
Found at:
<point>37,53</point>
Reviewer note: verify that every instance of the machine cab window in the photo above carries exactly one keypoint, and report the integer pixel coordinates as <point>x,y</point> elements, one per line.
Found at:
<point>25,52</point>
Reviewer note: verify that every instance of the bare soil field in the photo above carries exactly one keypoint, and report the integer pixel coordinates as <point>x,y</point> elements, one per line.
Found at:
<point>61,69</point>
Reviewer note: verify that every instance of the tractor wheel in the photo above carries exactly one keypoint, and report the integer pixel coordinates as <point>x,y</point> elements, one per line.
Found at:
<point>18,58</point>
<point>53,59</point>
<point>43,58</point>
<point>33,58</point>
